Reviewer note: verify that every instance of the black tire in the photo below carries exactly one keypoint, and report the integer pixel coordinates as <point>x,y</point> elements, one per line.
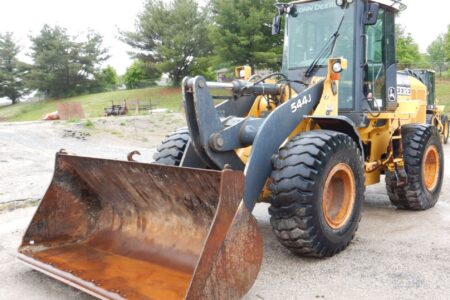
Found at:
<point>171,151</point>
<point>417,139</point>
<point>430,119</point>
<point>298,177</point>
<point>445,123</point>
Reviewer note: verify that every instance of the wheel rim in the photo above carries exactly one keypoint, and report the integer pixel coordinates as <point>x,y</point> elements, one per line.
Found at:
<point>339,196</point>
<point>431,168</point>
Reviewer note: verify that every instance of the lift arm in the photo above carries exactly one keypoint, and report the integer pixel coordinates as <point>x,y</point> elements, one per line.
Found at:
<point>214,142</point>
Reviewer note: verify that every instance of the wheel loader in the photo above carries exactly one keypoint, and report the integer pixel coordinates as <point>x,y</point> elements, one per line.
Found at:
<point>412,82</point>
<point>307,140</point>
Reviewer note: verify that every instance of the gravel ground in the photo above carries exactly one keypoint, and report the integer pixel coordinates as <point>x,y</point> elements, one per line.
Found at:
<point>27,150</point>
<point>396,254</point>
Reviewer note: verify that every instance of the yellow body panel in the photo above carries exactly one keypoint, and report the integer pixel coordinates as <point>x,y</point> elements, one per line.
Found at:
<point>383,129</point>
<point>244,72</point>
<point>418,91</point>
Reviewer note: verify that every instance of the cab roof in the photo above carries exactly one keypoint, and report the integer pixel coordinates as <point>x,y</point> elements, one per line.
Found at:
<point>398,5</point>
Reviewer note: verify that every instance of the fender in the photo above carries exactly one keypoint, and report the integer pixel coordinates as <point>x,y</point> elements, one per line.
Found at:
<point>340,124</point>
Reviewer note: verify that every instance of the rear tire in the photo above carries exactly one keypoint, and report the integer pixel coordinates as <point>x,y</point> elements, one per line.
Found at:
<point>171,151</point>
<point>446,132</point>
<point>317,193</point>
<point>424,166</point>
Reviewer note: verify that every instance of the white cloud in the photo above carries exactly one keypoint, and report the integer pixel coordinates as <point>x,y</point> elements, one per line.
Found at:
<point>424,19</point>
<point>25,17</point>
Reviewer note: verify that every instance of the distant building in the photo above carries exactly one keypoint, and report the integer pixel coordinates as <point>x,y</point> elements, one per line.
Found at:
<point>164,80</point>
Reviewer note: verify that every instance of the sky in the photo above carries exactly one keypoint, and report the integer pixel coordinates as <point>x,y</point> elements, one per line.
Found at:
<point>26,17</point>
<point>425,20</point>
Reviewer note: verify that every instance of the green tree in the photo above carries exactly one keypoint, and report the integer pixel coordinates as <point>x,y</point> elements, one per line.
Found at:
<point>140,75</point>
<point>408,54</point>
<point>242,34</point>
<point>203,67</point>
<point>437,55</point>
<point>171,36</point>
<point>105,79</point>
<point>108,78</point>
<point>447,44</point>
<point>13,73</point>
<point>63,65</point>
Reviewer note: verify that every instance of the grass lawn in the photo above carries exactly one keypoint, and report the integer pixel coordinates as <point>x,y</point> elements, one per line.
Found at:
<point>163,97</point>
<point>443,94</point>
<point>94,104</point>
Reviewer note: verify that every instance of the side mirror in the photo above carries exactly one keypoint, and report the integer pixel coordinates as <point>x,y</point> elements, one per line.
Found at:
<point>371,14</point>
<point>276,25</point>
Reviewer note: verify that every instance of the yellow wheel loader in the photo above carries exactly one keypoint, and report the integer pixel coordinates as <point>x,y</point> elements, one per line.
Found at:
<point>308,140</point>
<point>411,86</point>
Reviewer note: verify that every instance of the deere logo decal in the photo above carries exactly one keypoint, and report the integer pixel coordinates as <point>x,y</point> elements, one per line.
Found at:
<point>392,94</point>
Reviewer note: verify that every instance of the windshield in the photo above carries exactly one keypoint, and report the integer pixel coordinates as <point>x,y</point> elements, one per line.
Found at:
<point>308,31</point>
<point>311,27</point>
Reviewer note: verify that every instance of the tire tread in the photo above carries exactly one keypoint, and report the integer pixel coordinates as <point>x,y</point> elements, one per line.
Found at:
<point>295,171</point>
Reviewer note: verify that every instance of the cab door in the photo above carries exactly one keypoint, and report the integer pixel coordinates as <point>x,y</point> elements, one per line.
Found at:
<point>380,73</point>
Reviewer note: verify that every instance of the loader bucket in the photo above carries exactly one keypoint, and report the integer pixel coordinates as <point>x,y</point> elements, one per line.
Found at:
<point>125,230</point>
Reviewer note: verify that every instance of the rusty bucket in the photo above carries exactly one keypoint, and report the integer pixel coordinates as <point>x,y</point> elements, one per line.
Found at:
<point>125,230</point>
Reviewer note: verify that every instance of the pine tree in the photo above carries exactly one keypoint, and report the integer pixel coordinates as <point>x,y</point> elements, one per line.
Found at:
<point>171,36</point>
<point>242,34</point>
<point>13,72</point>
<point>63,65</point>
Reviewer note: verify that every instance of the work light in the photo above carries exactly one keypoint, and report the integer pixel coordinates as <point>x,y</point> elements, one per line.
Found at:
<point>337,67</point>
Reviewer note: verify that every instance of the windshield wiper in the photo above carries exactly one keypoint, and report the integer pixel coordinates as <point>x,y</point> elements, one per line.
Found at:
<point>326,51</point>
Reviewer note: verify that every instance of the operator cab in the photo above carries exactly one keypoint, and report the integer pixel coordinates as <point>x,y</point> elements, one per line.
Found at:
<point>380,67</point>
<point>427,77</point>
<point>361,31</point>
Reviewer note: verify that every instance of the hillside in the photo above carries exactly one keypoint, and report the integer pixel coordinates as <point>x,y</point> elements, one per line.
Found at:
<point>94,104</point>
<point>169,98</point>
<point>443,94</point>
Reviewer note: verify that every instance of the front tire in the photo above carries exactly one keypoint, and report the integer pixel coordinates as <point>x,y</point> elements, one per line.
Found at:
<point>317,193</point>
<point>171,151</point>
<point>424,166</point>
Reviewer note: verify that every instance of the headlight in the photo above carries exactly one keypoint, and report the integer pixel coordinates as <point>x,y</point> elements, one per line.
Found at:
<point>339,2</point>
<point>337,67</point>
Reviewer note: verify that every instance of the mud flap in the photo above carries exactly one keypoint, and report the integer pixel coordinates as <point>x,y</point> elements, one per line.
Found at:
<point>126,230</point>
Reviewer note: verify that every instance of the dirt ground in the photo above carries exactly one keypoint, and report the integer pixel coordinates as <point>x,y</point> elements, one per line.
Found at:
<point>396,254</point>
<point>27,149</point>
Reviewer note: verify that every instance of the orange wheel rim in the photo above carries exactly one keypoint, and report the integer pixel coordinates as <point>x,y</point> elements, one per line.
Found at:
<point>446,130</point>
<point>431,168</point>
<point>339,195</point>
